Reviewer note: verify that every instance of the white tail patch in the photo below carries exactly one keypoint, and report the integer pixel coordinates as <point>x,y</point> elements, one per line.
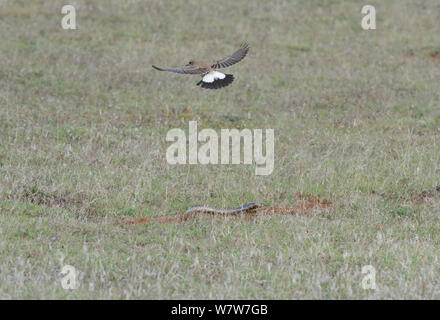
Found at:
<point>212,76</point>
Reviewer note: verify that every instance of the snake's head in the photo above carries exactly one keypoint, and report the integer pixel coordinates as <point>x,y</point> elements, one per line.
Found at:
<point>257,204</point>
<point>260,204</point>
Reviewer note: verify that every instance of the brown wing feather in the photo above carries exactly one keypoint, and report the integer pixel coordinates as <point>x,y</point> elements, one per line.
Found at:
<point>183,70</point>
<point>228,61</point>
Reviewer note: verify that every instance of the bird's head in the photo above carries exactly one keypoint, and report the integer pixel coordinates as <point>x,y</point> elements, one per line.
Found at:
<point>190,63</point>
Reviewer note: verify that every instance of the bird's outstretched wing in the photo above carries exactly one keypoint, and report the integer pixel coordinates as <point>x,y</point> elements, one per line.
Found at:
<point>233,58</point>
<point>183,70</point>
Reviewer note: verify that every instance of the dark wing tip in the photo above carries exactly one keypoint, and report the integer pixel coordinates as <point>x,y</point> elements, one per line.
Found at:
<point>245,47</point>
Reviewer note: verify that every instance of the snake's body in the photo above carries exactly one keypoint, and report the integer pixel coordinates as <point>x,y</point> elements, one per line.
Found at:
<point>243,209</point>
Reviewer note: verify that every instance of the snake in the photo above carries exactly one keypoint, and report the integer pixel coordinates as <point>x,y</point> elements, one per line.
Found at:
<point>248,209</point>
<point>243,209</point>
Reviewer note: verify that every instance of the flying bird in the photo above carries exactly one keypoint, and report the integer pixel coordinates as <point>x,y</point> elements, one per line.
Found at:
<point>211,78</point>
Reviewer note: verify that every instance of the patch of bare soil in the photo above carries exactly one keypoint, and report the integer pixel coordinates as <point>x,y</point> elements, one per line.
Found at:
<point>36,196</point>
<point>304,206</point>
<point>425,52</point>
<point>428,195</point>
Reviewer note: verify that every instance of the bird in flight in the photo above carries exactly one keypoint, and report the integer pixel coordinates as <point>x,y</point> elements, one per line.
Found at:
<point>211,78</point>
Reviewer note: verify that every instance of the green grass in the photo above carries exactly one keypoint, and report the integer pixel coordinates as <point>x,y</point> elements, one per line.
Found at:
<point>83,120</point>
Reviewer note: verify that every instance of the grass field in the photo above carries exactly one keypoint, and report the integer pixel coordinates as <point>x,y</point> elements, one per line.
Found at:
<point>83,121</point>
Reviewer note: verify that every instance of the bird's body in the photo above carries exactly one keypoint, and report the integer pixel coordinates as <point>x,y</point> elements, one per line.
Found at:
<point>211,78</point>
